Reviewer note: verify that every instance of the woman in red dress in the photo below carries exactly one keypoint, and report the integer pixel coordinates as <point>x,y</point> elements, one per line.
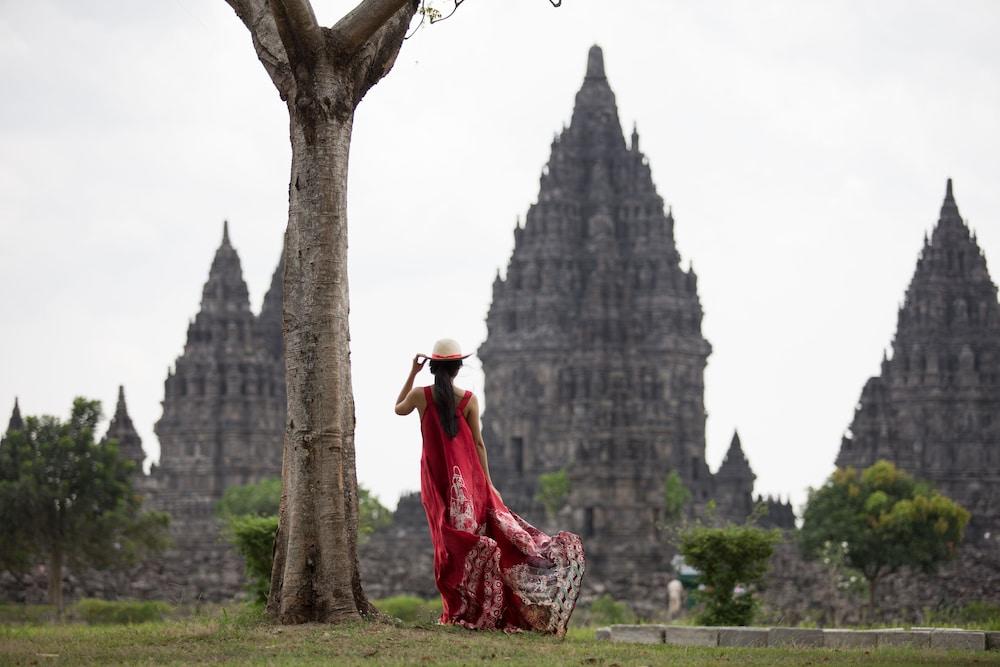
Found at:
<point>494,570</point>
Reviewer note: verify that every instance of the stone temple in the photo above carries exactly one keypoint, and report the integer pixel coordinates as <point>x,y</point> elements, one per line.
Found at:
<point>934,408</point>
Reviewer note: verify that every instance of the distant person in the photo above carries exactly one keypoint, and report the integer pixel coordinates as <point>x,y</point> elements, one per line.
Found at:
<point>494,570</point>
<point>675,598</point>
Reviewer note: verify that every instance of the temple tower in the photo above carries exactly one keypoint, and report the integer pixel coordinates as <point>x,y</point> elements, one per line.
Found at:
<point>224,405</point>
<point>122,430</point>
<point>16,423</point>
<point>734,484</point>
<point>594,358</point>
<point>934,408</point>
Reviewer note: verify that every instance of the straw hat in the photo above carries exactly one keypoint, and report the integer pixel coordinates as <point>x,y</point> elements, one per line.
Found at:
<point>447,349</point>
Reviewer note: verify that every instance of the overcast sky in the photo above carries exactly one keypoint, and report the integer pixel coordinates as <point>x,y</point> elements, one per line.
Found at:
<point>804,148</point>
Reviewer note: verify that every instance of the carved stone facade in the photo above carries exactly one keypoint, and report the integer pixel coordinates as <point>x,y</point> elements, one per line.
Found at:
<point>934,409</point>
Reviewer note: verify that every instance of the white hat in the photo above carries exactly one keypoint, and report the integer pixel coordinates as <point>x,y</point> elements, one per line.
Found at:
<point>447,349</point>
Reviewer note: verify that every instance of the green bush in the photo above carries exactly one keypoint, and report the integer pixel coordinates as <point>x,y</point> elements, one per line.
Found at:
<point>605,610</point>
<point>32,614</point>
<point>253,537</point>
<point>260,499</point>
<point>728,557</point>
<point>108,612</point>
<point>410,609</point>
<point>553,491</point>
<point>978,615</point>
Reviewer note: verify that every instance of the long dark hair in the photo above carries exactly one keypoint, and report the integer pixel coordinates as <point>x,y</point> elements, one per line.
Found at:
<point>444,372</point>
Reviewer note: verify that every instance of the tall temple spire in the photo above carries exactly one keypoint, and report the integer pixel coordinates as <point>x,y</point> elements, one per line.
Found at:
<point>735,464</point>
<point>225,290</point>
<point>122,430</point>
<point>270,319</point>
<point>595,63</point>
<point>931,408</point>
<point>15,423</point>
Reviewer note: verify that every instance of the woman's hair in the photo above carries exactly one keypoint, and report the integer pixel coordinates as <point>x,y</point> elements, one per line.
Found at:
<point>444,372</point>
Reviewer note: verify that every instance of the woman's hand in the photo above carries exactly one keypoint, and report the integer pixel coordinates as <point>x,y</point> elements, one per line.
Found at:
<point>418,364</point>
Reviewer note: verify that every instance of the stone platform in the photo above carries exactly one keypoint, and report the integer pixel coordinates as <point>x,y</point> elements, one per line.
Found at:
<point>946,639</point>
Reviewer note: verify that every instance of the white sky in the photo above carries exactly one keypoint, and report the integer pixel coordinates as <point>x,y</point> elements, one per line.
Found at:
<point>803,146</point>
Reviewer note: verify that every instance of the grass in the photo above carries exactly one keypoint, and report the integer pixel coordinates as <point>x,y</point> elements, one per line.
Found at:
<point>242,637</point>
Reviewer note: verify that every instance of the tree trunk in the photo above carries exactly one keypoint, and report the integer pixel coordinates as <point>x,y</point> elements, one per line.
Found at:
<point>872,584</point>
<point>55,582</point>
<point>315,574</point>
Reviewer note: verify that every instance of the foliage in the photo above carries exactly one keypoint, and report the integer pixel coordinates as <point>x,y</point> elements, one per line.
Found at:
<point>883,520</point>
<point>675,496</point>
<point>605,610</point>
<point>728,557</point>
<point>250,513</point>
<point>410,608</point>
<point>978,615</point>
<point>553,491</point>
<point>253,537</point>
<point>372,514</point>
<point>67,499</point>
<point>105,612</point>
<point>260,499</point>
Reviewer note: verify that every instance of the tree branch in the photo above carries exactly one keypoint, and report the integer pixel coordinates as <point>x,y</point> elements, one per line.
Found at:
<point>298,30</point>
<point>361,23</point>
<point>376,56</point>
<point>257,18</point>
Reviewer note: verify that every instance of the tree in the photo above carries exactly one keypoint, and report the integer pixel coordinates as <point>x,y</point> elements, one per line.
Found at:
<point>881,520</point>
<point>69,500</point>
<point>675,496</point>
<point>728,557</point>
<point>553,490</point>
<point>321,74</point>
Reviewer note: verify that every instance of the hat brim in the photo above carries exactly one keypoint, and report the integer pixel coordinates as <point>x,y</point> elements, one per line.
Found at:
<point>447,357</point>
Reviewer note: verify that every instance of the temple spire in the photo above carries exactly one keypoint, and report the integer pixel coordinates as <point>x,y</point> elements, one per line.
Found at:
<point>225,290</point>
<point>123,431</point>
<point>595,63</point>
<point>949,208</point>
<point>15,423</point>
<point>225,232</point>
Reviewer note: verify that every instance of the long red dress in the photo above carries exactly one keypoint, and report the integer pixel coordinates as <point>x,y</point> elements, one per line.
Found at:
<point>494,569</point>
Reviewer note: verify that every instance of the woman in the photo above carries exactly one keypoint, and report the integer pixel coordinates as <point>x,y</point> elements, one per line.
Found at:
<point>494,570</point>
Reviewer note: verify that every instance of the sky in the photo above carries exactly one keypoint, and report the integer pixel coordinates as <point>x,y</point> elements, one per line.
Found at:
<point>804,148</point>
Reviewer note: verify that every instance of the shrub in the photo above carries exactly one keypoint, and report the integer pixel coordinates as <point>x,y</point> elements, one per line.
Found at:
<point>410,608</point>
<point>728,557</point>
<point>605,610</point>
<point>675,496</point>
<point>106,612</point>
<point>553,491</point>
<point>253,537</point>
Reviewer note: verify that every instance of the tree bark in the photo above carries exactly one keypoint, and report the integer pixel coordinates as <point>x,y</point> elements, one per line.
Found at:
<point>55,582</point>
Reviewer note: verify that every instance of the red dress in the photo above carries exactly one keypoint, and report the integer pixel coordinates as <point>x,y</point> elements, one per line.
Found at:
<point>494,570</point>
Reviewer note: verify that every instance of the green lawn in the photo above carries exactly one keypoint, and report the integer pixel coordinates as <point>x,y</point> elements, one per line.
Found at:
<point>240,640</point>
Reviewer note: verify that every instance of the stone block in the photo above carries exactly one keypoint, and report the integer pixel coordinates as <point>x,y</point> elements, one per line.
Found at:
<point>904,638</point>
<point>993,641</point>
<point>849,639</point>
<point>755,637</point>
<point>690,635</point>
<point>958,640</point>
<point>602,634</point>
<point>637,634</point>
<point>803,637</point>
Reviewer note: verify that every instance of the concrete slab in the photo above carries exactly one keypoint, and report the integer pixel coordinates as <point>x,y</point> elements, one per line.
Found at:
<point>688,635</point>
<point>992,641</point>
<point>958,640</point>
<point>904,638</point>
<point>637,634</point>
<point>602,634</point>
<point>849,639</point>
<point>805,637</point>
<point>755,637</point>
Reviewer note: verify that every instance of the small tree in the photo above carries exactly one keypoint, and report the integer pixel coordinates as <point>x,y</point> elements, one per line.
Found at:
<point>728,557</point>
<point>68,500</point>
<point>250,512</point>
<point>883,520</point>
<point>675,497</point>
<point>553,491</point>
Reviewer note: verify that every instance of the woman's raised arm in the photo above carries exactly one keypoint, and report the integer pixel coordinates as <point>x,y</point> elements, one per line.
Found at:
<point>409,398</point>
